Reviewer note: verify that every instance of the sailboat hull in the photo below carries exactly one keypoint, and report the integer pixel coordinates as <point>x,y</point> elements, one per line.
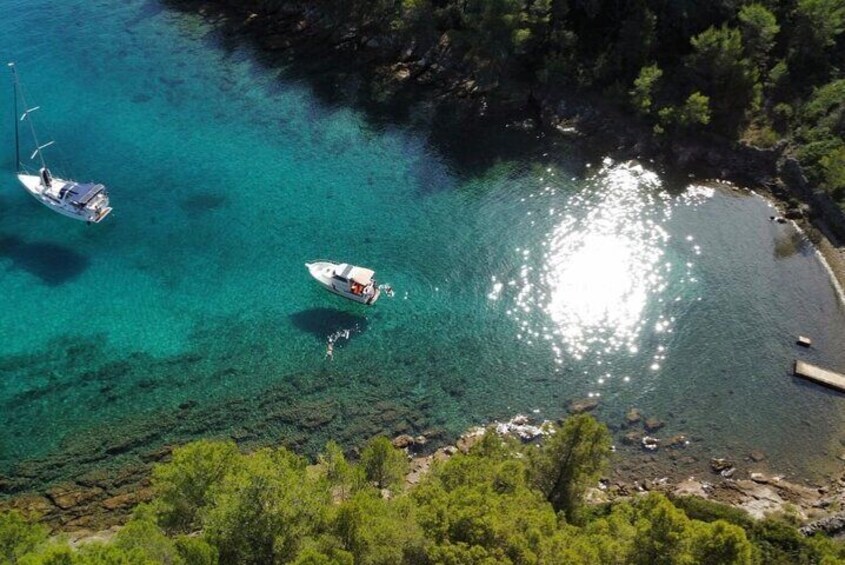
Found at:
<point>50,198</point>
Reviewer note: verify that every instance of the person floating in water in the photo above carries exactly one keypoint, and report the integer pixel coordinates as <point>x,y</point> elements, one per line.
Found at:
<point>330,351</point>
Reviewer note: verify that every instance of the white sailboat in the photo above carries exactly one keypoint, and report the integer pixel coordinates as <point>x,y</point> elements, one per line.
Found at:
<point>88,202</point>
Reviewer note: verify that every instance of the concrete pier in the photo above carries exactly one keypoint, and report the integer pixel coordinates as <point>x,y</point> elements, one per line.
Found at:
<point>819,375</point>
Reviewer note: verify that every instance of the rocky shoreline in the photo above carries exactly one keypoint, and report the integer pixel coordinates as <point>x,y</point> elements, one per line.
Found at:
<point>96,505</point>
<point>727,481</point>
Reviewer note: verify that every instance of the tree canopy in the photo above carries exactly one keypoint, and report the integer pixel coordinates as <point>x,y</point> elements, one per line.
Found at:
<point>502,502</point>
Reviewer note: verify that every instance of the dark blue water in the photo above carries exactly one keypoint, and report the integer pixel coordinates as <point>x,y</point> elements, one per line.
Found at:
<point>519,286</point>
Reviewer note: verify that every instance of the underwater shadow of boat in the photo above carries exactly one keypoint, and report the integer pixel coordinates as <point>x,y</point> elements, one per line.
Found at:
<point>53,264</point>
<point>324,322</point>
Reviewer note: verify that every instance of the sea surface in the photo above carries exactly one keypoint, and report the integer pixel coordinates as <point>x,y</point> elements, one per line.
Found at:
<point>523,279</point>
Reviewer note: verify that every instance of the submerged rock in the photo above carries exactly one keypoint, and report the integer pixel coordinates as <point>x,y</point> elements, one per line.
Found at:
<point>632,438</point>
<point>583,405</point>
<point>653,424</point>
<point>633,416</point>
<point>679,440</point>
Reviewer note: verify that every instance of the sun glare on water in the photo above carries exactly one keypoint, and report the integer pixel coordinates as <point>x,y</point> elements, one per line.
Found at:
<point>589,287</point>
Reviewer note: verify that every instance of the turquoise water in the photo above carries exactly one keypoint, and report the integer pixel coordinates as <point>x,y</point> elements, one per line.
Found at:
<point>521,282</point>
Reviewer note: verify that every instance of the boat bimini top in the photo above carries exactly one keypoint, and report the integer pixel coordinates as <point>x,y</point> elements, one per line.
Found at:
<point>355,274</point>
<point>80,194</point>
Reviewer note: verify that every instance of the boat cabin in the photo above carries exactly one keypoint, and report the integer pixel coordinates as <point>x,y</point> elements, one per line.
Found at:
<point>79,194</point>
<point>355,280</point>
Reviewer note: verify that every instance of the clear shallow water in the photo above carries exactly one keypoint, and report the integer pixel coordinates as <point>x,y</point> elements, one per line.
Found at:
<point>519,287</point>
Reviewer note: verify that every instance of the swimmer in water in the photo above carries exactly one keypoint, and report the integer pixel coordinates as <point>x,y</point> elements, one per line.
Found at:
<point>330,351</point>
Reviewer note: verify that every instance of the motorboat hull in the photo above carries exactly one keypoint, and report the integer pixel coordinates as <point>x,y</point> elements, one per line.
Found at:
<point>323,272</point>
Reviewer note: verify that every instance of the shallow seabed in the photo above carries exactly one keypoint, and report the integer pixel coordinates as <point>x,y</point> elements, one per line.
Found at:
<point>519,287</point>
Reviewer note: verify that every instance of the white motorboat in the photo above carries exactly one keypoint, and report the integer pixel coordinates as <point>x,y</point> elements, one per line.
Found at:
<point>348,281</point>
<point>88,202</point>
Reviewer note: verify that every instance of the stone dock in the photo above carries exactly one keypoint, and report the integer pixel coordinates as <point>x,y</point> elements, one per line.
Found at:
<point>822,376</point>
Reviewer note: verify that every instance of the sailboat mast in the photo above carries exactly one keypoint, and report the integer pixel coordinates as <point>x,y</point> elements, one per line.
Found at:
<point>26,115</point>
<point>17,133</point>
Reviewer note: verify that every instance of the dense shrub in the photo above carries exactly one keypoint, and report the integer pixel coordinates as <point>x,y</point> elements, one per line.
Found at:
<point>503,502</point>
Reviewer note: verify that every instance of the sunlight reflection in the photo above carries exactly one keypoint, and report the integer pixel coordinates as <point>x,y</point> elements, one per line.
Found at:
<point>601,270</point>
<point>600,277</point>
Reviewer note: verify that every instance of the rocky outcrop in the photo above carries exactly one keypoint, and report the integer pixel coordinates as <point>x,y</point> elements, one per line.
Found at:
<point>831,525</point>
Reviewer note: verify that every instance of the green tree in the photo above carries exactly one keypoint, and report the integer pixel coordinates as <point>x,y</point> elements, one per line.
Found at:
<point>569,460</point>
<point>53,554</point>
<point>759,28</point>
<point>662,535</point>
<point>183,485</point>
<point>719,542</point>
<point>720,72</point>
<point>822,136</point>
<point>265,508</point>
<point>18,536</point>
<point>480,508</point>
<point>637,40</point>
<point>338,472</point>
<point>645,86</point>
<point>196,551</point>
<point>376,531</point>
<point>695,111</point>
<point>818,23</point>
<point>144,540</point>
<point>833,171</point>
<point>384,465</point>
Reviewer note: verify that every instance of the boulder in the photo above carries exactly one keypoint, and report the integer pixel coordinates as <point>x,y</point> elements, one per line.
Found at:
<point>831,525</point>
<point>520,427</point>
<point>757,455</point>
<point>632,438</point>
<point>653,424</point>
<point>633,416</point>
<point>69,495</point>
<point>468,439</point>
<point>679,440</point>
<point>31,505</point>
<point>520,420</point>
<point>403,441</point>
<point>583,405</point>
<point>650,443</point>
<point>793,214</point>
<point>720,464</point>
<point>120,502</point>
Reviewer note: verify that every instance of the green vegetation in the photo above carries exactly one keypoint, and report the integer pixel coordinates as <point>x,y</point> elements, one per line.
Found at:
<point>503,502</point>
<point>763,71</point>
